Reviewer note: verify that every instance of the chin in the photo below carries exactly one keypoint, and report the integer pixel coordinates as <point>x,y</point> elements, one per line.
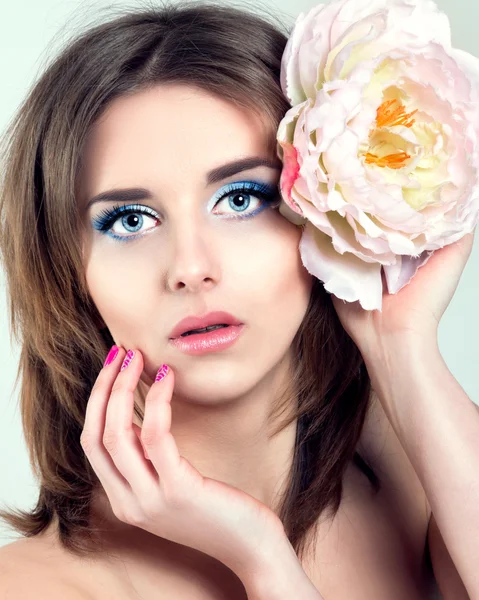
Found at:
<point>213,385</point>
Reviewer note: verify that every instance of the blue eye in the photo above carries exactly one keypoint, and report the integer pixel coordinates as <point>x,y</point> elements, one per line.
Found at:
<point>131,217</point>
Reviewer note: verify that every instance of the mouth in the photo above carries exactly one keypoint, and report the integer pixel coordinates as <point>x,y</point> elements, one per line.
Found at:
<point>203,330</point>
<point>203,324</point>
<point>213,338</point>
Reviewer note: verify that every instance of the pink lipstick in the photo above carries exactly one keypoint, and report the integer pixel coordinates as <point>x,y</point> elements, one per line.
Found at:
<point>214,340</point>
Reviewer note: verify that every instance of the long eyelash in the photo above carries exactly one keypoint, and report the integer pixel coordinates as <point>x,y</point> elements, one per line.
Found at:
<point>107,217</point>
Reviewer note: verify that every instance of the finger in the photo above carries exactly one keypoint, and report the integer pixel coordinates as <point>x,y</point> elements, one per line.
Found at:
<point>119,437</point>
<point>137,430</point>
<point>155,434</point>
<point>91,439</point>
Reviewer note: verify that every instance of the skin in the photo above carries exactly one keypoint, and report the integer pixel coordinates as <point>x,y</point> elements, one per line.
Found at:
<point>190,260</point>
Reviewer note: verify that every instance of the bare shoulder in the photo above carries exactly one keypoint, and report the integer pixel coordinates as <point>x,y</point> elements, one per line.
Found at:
<point>382,449</point>
<point>26,572</point>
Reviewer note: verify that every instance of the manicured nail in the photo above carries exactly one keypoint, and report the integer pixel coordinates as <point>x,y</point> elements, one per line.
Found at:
<point>128,358</point>
<point>162,373</point>
<point>111,356</point>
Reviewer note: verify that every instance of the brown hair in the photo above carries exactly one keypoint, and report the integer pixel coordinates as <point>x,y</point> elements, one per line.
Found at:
<point>230,53</point>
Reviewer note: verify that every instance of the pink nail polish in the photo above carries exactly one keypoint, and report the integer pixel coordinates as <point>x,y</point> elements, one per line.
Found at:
<point>128,358</point>
<point>162,372</point>
<point>111,356</point>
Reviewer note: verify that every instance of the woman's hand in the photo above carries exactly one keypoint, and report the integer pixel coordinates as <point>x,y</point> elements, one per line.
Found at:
<point>166,495</point>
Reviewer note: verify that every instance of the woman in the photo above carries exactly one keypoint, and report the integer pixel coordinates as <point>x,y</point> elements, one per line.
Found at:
<point>280,435</point>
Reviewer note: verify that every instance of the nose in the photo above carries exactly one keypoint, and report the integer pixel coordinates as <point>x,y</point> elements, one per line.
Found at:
<point>194,264</point>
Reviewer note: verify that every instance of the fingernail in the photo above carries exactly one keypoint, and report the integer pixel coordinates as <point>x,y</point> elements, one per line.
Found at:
<point>162,373</point>
<point>111,355</point>
<point>128,358</point>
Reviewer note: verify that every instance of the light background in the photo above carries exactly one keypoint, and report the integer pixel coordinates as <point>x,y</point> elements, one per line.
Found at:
<point>30,33</point>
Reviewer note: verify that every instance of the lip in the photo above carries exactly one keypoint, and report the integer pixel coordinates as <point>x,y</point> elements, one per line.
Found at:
<point>217,317</point>
<point>211,341</point>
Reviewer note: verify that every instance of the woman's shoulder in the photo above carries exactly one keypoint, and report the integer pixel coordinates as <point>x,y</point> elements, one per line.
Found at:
<point>34,567</point>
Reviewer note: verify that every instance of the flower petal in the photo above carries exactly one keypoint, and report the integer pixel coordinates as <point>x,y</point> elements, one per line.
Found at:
<point>344,275</point>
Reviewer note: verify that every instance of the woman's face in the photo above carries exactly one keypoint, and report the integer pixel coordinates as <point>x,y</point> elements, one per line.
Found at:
<point>191,246</point>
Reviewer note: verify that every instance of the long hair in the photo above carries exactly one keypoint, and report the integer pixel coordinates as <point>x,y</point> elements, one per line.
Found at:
<point>231,53</point>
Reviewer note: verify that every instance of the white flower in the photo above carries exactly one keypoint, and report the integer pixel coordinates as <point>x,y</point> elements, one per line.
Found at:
<point>380,147</point>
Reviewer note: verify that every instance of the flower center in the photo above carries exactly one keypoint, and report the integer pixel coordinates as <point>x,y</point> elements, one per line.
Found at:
<point>388,115</point>
<point>393,161</point>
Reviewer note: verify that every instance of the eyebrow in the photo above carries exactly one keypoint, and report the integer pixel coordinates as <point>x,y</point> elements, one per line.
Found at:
<point>213,176</point>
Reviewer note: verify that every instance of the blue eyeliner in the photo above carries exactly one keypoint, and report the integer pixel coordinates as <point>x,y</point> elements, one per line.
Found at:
<point>268,193</point>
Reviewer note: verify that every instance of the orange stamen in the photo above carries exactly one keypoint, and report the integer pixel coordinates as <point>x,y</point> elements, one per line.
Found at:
<point>393,161</point>
<point>385,117</point>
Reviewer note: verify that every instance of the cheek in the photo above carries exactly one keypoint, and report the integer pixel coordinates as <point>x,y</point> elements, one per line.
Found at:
<point>292,276</point>
<point>113,285</point>
<point>279,284</point>
<point>294,283</point>
<point>117,272</point>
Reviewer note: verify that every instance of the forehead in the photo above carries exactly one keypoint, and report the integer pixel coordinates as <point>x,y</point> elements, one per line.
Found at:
<point>170,133</point>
